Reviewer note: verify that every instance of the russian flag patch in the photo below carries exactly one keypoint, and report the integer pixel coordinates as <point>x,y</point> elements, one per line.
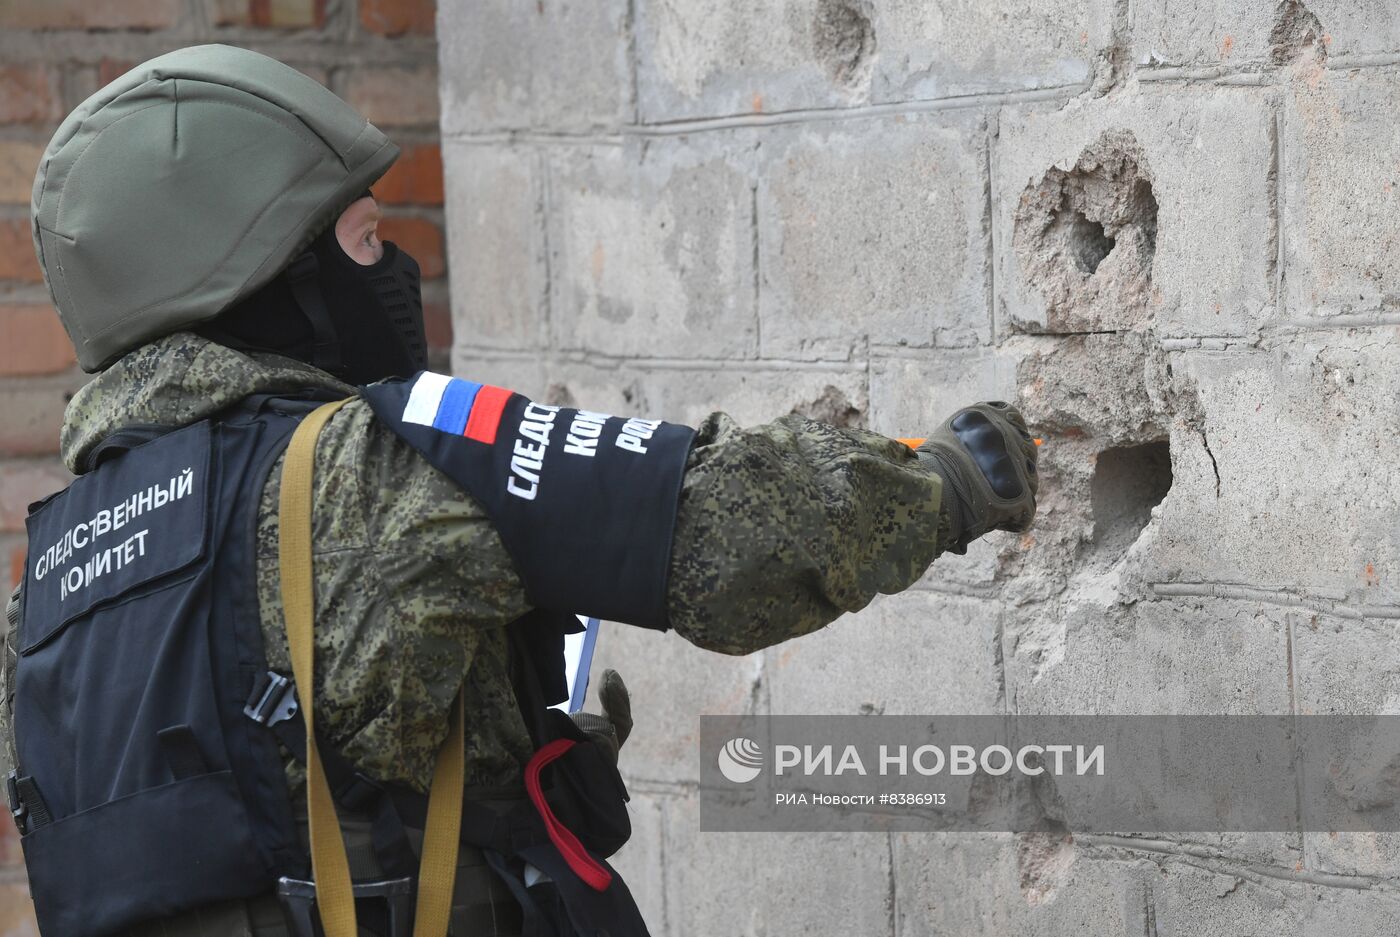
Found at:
<point>456,406</point>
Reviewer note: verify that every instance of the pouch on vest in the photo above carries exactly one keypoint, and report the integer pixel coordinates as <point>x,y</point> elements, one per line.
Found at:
<point>138,643</point>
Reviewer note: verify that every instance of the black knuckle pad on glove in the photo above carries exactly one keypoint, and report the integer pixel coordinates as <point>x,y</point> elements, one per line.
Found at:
<point>987,445</point>
<point>988,463</point>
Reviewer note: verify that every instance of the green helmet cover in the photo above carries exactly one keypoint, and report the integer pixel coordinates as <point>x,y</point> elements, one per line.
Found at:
<point>187,184</point>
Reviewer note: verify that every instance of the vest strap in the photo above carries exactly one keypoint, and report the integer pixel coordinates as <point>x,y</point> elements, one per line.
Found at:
<point>335,897</point>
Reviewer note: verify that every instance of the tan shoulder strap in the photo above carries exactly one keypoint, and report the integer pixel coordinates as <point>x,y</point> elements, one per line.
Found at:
<point>334,896</point>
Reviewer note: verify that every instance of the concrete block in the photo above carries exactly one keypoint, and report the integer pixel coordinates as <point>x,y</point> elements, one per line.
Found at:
<point>939,50</point>
<point>911,393</point>
<point>1204,32</point>
<point>1345,667</point>
<point>773,883</point>
<point>496,247</point>
<point>1188,897</point>
<point>1340,200</point>
<point>524,375</point>
<point>1296,436</point>
<point>1034,884</point>
<point>652,248</point>
<point>1028,884</point>
<point>956,883</point>
<point>751,394</point>
<point>873,230</point>
<point>1354,28</point>
<point>1102,208</point>
<point>672,684</point>
<point>1198,656</point>
<point>551,64</point>
<point>912,653</point>
<point>640,862</point>
<point>704,59</point>
<point>1249,33</point>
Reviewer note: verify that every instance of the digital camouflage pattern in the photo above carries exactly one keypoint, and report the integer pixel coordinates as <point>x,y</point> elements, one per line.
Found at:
<point>781,528</point>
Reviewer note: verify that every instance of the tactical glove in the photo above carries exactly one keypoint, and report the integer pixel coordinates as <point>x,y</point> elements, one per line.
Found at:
<point>610,729</point>
<point>987,460</point>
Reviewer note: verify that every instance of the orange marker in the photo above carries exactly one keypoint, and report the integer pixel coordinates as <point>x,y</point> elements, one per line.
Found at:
<point>916,443</point>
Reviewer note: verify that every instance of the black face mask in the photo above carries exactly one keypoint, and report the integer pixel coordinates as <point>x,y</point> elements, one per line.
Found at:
<point>360,323</point>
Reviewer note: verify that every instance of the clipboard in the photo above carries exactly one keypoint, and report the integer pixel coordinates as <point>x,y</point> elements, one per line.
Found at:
<point>578,660</point>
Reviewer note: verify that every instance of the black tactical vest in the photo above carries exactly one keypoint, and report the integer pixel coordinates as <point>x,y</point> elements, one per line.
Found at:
<point>141,787</point>
<point>147,781</point>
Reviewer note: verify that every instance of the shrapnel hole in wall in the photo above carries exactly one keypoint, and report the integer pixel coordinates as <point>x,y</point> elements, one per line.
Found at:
<point>843,37</point>
<point>1086,236</point>
<point>1128,482</point>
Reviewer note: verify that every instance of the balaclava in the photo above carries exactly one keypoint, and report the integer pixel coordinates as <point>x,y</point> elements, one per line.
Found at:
<point>359,323</point>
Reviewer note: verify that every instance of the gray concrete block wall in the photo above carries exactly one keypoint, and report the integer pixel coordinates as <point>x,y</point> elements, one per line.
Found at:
<point>1167,228</point>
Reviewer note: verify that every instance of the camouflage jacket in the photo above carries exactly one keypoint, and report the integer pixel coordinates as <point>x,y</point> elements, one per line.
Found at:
<point>780,529</point>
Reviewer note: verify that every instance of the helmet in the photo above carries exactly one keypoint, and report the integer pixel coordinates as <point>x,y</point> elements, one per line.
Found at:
<point>186,185</point>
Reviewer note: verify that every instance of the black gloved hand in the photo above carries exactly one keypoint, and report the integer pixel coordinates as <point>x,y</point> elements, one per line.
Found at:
<point>610,729</point>
<point>987,460</point>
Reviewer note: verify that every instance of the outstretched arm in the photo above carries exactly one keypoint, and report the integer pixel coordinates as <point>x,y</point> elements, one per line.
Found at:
<point>784,527</point>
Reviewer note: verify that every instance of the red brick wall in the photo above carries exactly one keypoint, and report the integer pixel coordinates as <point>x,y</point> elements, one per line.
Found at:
<point>380,55</point>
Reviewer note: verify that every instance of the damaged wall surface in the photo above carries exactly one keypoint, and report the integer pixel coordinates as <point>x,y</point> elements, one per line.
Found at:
<point>1169,229</point>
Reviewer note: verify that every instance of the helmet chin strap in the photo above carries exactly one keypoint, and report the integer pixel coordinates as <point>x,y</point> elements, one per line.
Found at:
<point>303,276</point>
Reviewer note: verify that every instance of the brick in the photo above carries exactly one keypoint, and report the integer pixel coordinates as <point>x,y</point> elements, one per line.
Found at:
<point>32,340</point>
<point>33,412</point>
<point>496,245</point>
<point>17,556</point>
<point>17,911</point>
<point>22,483</point>
<point>1217,285</point>
<point>276,14</point>
<point>17,258</point>
<point>872,230</point>
<point>654,256</point>
<point>29,94</point>
<point>1341,195</point>
<point>397,17</point>
<point>415,178</point>
<point>83,14</point>
<point>937,51</point>
<point>437,322</point>
<point>551,64</point>
<point>109,70</point>
<point>19,161</point>
<point>396,96</point>
<point>421,238</point>
<point>11,856</point>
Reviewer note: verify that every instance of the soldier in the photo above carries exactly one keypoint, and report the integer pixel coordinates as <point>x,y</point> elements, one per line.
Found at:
<point>208,235</point>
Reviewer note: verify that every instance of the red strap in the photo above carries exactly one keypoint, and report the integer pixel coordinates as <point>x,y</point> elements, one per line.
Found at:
<point>594,874</point>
